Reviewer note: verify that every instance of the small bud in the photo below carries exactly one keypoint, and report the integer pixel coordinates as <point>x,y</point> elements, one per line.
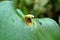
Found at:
<point>28,19</point>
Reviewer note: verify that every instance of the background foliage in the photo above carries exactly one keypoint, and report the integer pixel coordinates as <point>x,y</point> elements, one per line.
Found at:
<point>41,8</point>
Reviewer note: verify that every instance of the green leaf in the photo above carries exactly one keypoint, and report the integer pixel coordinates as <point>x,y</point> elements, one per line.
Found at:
<point>14,27</point>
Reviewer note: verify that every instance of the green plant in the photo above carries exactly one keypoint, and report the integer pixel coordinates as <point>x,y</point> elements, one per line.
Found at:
<point>14,25</point>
